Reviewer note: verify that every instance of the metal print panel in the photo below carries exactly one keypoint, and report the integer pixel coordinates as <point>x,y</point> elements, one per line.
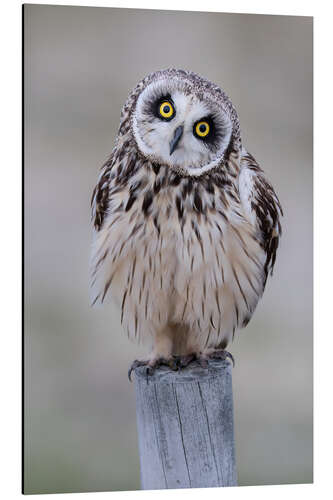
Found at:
<point>168,170</point>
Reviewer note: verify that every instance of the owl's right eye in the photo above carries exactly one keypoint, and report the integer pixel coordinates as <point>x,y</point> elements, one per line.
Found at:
<point>166,110</point>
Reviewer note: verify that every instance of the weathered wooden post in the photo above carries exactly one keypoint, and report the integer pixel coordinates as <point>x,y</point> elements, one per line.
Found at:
<point>185,427</point>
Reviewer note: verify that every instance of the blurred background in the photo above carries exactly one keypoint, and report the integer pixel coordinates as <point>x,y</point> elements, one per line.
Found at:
<point>80,65</point>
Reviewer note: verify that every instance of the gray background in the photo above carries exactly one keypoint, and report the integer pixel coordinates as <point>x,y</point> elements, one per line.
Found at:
<point>80,64</point>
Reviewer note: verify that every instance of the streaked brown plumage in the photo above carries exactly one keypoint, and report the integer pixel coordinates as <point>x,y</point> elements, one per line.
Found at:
<point>184,240</point>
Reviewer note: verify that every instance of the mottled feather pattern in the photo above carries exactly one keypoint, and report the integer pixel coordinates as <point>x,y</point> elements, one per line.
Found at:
<point>178,252</point>
<point>264,204</point>
<point>155,216</point>
<point>100,196</point>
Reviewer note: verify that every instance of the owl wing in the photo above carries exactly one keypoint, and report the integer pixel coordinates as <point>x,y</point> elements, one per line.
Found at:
<point>262,207</point>
<point>100,195</point>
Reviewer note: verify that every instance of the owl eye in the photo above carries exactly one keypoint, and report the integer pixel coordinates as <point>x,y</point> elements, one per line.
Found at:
<point>166,110</point>
<point>202,129</point>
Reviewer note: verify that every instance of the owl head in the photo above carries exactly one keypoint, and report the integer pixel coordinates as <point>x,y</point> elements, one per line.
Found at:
<point>182,120</point>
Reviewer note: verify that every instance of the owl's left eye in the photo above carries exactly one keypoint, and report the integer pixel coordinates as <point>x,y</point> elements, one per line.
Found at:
<point>166,110</point>
<point>202,129</point>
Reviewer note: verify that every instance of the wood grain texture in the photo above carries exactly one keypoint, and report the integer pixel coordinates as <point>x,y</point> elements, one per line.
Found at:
<point>185,427</point>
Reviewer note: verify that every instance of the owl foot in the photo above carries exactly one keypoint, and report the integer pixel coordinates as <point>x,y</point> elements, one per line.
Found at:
<point>151,365</point>
<point>221,354</point>
<point>135,365</point>
<point>178,362</point>
<point>183,361</point>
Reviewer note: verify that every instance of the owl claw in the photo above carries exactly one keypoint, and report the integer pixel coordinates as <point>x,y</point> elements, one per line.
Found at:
<point>150,366</point>
<point>150,370</point>
<point>135,365</point>
<point>222,354</point>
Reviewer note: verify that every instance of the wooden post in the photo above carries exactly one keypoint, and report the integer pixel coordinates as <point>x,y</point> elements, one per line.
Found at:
<point>185,427</point>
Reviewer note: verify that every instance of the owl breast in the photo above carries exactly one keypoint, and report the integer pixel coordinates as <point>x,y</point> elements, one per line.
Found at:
<point>179,251</point>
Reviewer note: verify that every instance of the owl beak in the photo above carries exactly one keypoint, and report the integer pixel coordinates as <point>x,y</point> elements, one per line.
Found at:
<point>176,138</point>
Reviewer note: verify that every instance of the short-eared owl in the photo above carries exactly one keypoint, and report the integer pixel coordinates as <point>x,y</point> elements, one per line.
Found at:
<point>186,226</point>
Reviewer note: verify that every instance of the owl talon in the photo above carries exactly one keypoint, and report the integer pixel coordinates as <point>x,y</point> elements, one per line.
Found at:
<point>150,366</point>
<point>222,354</point>
<point>135,365</point>
<point>150,370</point>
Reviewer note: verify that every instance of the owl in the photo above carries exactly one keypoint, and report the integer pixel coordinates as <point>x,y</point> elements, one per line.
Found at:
<point>186,226</point>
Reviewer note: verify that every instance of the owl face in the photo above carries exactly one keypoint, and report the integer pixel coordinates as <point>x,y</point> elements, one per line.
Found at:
<point>177,123</point>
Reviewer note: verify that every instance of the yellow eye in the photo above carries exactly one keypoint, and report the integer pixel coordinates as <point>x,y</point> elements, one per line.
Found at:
<point>166,110</point>
<point>202,129</point>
